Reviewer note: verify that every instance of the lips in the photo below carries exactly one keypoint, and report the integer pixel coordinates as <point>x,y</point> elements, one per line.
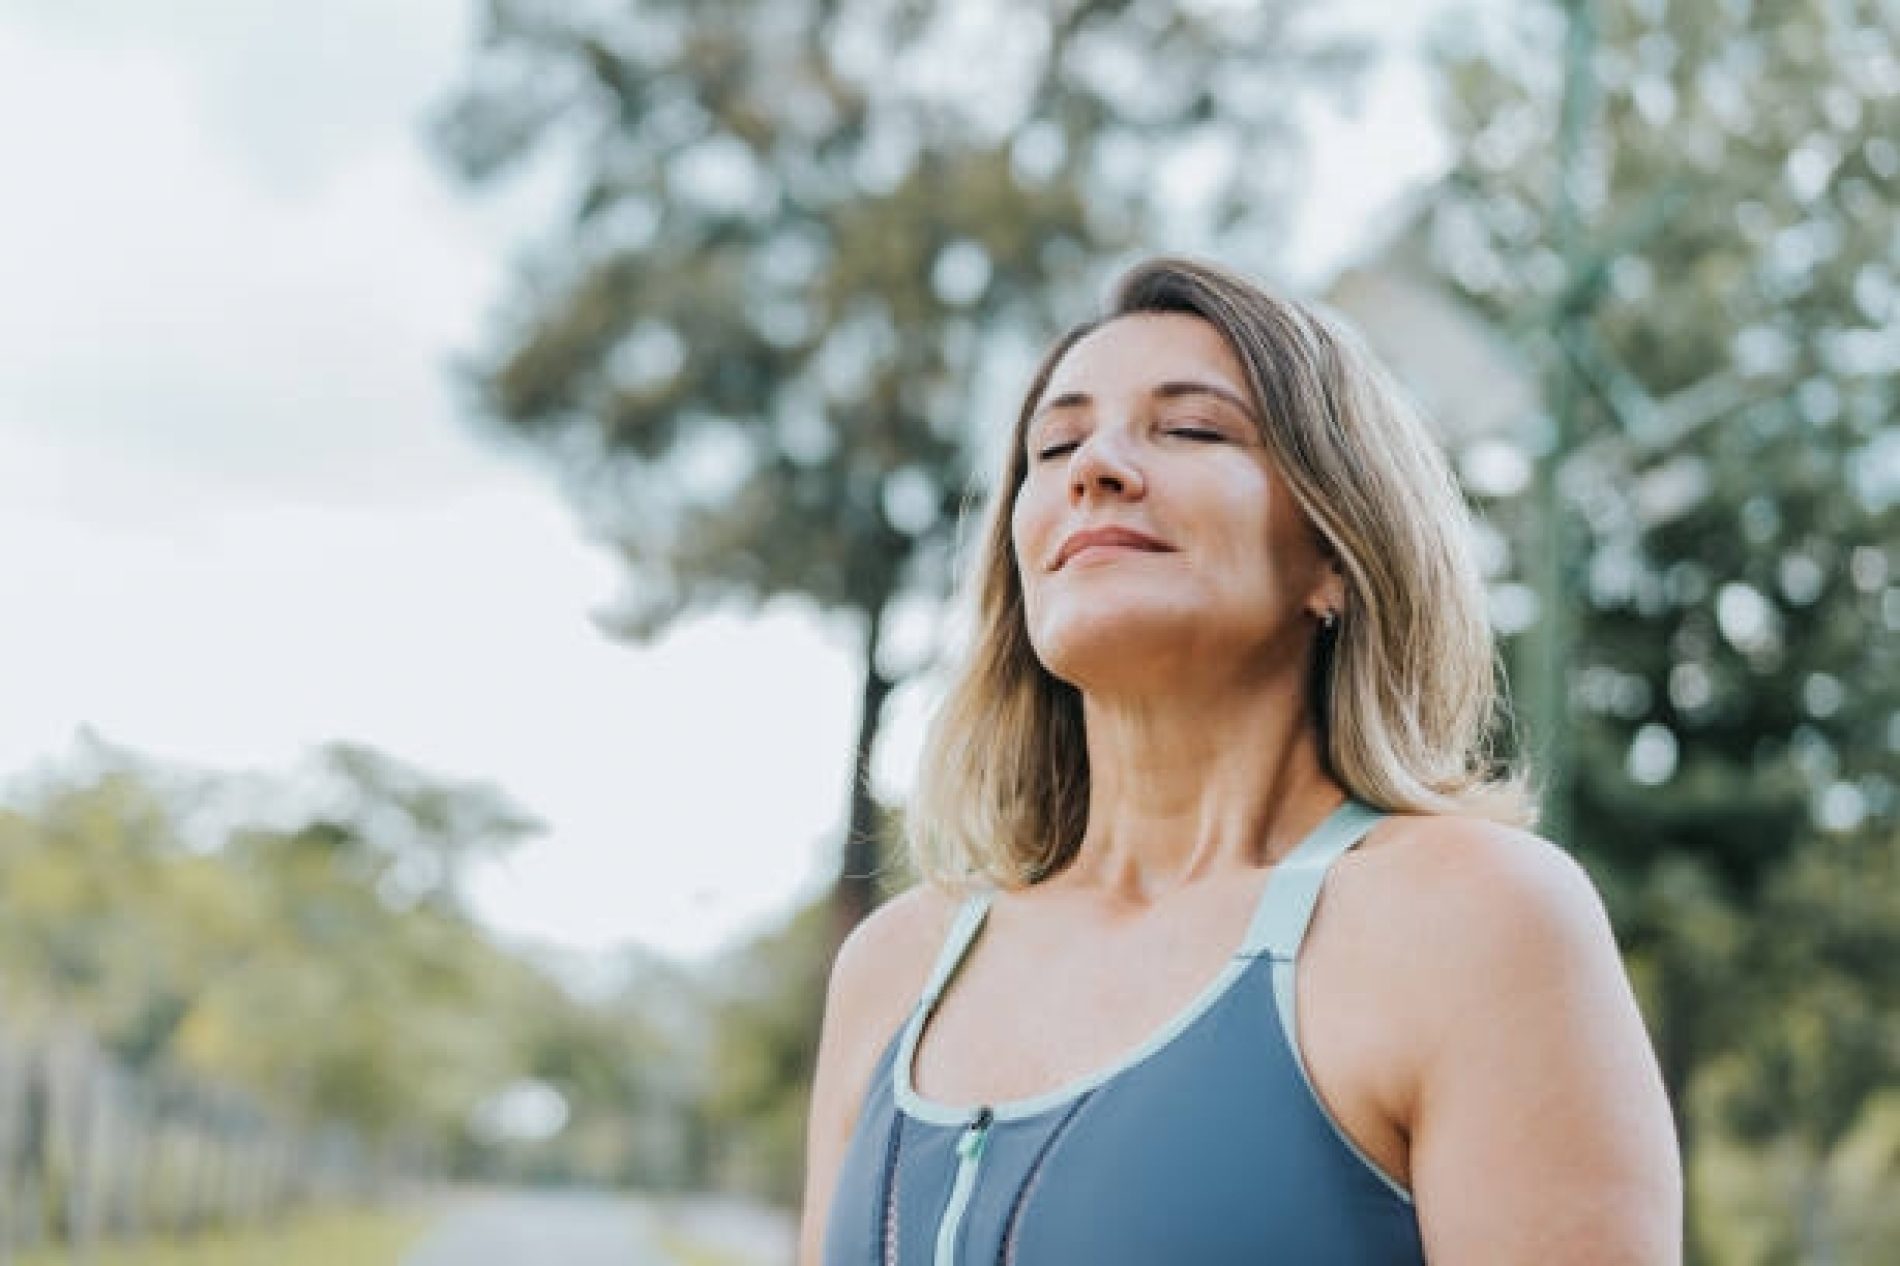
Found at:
<point>1126,538</point>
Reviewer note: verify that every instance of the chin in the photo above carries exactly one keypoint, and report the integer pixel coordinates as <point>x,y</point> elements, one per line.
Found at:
<point>1111,647</point>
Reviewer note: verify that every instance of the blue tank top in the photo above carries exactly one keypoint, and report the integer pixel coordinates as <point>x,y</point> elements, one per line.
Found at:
<point>1204,1146</point>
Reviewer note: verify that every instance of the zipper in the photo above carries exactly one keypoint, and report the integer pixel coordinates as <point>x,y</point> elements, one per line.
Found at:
<point>970,1145</point>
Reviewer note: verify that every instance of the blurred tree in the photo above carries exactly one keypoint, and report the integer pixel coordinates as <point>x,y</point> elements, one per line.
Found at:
<point>1819,1050</point>
<point>630,1064</point>
<point>765,1037</point>
<point>82,867</point>
<point>312,963</point>
<point>421,830</point>
<point>1722,317</point>
<point>811,241</point>
<point>350,1007</point>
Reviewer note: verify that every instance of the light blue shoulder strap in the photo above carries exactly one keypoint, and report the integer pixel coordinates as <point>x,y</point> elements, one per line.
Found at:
<point>962,931</point>
<point>1286,906</point>
<point>1279,926</point>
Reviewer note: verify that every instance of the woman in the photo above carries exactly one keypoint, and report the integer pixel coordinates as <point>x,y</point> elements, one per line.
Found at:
<point>1230,646</point>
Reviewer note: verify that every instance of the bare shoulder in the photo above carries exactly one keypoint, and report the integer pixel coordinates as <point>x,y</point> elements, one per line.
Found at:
<point>1536,1099</point>
<point>882,966</point>
<point>1471,914</point>
<point>1466,849</point>
<point>1482,884</point>
<point>876,978</point>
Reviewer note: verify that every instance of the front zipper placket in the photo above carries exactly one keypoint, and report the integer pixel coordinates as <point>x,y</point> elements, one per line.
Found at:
<point>970,1146</point>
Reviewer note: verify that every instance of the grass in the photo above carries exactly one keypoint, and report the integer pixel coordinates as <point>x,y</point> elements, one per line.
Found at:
<point>684,1251</point>
<point>355,1237</point>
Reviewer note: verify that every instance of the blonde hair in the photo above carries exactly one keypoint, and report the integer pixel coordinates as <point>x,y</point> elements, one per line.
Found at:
<point>1403,688</point>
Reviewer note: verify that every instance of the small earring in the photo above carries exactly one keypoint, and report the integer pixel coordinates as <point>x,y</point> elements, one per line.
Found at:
<point>1329,621</point>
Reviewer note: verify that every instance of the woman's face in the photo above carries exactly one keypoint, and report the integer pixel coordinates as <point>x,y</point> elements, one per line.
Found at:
<point>1146,433</point>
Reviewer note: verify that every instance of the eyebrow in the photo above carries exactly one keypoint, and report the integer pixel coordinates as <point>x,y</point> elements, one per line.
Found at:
<point>1161,391</point>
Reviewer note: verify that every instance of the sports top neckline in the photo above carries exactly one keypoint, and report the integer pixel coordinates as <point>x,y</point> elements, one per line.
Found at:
<point>1278,923</point>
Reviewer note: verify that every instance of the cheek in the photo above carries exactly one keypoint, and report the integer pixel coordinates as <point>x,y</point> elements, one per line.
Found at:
<point>1028,526</point>
<point>1022,546</point>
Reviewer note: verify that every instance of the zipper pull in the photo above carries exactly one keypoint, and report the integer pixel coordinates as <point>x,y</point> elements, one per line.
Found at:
<point>969,1160</point>
<point>970,1146</point>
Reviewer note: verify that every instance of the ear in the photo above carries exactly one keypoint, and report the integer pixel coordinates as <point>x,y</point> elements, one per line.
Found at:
<point>1330,594</point>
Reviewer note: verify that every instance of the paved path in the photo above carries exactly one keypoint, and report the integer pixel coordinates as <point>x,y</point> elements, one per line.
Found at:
<point>529,1228</point>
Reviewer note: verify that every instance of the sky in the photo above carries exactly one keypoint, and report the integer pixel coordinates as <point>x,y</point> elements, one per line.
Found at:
<point>241,515</point>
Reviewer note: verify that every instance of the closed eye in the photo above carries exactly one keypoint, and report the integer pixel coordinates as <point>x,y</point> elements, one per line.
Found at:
<point>1199,434</point>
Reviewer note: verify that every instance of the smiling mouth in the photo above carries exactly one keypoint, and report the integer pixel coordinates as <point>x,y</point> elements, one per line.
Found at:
<point>1106,548</point>
<point>1107,545</point>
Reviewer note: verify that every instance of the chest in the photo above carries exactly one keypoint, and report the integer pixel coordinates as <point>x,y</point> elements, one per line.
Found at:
<point>1045,1005</point>
<point>1209,1151</point>
<point>1040,1006</point>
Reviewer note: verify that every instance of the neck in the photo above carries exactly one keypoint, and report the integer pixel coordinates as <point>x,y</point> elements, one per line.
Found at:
<point>1182,789</point>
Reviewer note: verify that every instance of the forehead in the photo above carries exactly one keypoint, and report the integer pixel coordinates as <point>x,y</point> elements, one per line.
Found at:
<point>1134,351</point>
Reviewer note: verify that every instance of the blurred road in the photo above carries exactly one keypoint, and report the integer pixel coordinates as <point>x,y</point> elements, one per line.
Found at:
<point>519,1228</point>
<point>528,1228</point>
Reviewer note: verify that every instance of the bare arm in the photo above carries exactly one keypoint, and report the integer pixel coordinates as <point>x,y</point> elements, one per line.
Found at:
<point>877,977</point>
<point>1541,1130</point>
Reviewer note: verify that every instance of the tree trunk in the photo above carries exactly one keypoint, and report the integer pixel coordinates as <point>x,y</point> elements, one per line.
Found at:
<point>854,894</point>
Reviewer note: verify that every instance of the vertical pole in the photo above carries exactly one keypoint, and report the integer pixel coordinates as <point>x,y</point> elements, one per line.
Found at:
<point>1557,575</point>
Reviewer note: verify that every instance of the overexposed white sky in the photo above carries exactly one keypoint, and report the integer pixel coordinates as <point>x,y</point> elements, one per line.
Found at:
<point>239,516</point>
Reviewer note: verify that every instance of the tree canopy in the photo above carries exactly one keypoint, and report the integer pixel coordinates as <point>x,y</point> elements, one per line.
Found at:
<point>809,242</point>
<point>1722,313</point>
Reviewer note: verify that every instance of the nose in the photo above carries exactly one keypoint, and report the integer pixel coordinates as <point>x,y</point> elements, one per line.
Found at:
<point>1102,464</point>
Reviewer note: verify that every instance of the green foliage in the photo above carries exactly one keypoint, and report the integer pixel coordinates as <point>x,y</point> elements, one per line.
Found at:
<point>414,832</point>
<point>765,1046</point>
<point>304,964</point>
<point>799,229</point>
<point>808,241</point>
<point>1726,309</point>
<point>361,1238</point>
<point>627,1066</point>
